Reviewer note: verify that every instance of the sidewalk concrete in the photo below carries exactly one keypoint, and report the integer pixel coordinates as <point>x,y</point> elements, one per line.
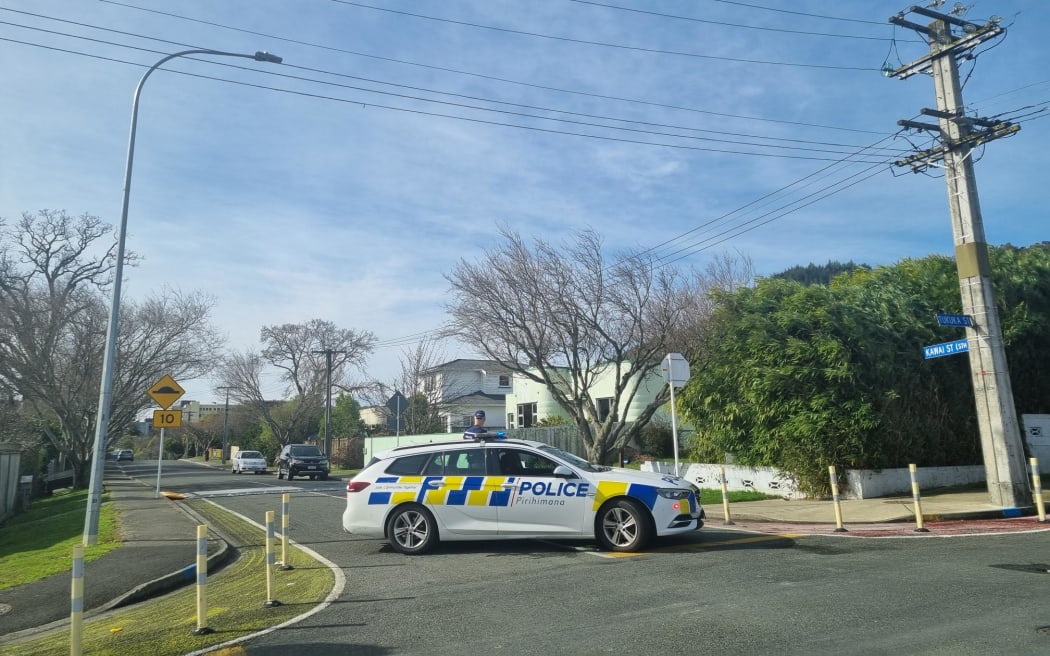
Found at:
<point>159,550</point>
<point>159,554</point>
<point>941,505</point>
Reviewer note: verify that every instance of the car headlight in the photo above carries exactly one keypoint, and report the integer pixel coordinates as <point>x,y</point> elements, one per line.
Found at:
<point>673,493</point>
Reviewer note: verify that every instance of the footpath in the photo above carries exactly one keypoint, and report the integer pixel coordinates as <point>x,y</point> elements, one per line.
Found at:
<point>158,555</point>
<point>159,549</point>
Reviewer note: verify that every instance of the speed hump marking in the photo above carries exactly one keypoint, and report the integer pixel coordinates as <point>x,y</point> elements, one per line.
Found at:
<point>167,418</point>
<point>166,391</point>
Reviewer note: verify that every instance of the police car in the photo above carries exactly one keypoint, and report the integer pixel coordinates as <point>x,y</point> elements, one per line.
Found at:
<point>482,489</point>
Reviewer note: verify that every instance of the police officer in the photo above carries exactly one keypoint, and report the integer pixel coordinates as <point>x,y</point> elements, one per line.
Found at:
<point>478,429</point>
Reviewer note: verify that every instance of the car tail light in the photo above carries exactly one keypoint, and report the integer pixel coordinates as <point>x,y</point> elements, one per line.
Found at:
<point>356,486</point>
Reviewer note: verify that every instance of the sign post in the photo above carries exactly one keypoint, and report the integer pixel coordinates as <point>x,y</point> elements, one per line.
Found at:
<point>675,369</point>
<point>165,392</point>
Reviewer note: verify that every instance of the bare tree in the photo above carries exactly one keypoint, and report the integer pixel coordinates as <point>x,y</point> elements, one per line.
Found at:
<point>53,317</point>
<point>423,408</point>
<point>566,318</point>
<point>297,352</point>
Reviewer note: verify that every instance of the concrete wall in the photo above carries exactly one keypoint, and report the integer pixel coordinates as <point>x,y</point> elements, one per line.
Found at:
<point>1036,430</point>
<point>375,445</point>
<point>853,484</point>
<point>10,460</point>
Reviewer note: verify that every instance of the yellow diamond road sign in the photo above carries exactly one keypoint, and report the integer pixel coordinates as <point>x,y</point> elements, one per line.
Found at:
<point>166,391</point>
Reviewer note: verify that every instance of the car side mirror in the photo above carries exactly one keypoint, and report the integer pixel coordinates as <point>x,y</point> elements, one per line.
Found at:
<point>561,471</point>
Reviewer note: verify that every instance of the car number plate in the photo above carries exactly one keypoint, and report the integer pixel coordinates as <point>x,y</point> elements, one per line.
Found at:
<point>311,467</point>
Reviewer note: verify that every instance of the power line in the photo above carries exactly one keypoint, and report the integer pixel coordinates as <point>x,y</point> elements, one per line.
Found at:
<point>603,43</point>
<point>457,95</point>
<point>490,77</point>
<point>434,114</point>
<point>800,13</point>
<point>738,25</point>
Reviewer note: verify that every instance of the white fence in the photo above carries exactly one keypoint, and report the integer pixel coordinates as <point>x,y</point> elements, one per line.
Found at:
<point>854,484</point>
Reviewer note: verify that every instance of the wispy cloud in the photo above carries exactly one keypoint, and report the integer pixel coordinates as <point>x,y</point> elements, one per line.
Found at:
<point>323,203</point>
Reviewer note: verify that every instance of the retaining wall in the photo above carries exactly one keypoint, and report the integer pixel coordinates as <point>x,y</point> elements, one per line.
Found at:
<point>853,484</point>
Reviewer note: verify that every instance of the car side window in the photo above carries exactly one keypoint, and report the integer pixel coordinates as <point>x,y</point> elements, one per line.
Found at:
<point>408,465</point>
<point>466,462</point>
<point>436,465</point>
<point>513,462</point>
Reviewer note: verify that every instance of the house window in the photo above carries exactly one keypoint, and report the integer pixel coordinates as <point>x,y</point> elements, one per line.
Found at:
<point>504,380</point>
<point>526,415</point>
<point>430,383</point>
<point>468,420</point>
<point>510,420</point>
<point>604,408</point>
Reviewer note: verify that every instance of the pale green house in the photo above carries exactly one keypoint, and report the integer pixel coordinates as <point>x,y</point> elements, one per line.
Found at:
<point>530,402</point>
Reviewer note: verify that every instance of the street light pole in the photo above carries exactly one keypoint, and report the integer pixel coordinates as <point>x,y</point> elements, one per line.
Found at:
<point>225,425</point>
<point>109,354</point>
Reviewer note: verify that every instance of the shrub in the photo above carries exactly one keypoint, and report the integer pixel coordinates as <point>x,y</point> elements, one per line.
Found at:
<point>657,439</point>
<point>350,456</point>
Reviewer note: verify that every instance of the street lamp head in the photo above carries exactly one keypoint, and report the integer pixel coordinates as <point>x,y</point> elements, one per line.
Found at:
<point>264,56</point>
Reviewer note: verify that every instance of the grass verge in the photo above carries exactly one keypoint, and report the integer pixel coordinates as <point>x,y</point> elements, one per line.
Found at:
<point>714,497</point>
<point>39,543</point>
<point>236,594</point>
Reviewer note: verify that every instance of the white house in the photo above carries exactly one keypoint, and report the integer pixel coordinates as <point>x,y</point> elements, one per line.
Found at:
<point>530,402</point>
<point>460,387</point>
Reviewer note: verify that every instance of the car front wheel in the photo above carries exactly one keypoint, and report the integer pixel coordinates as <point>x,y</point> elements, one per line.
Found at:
<point>412,530</point>
<point>622,525</point>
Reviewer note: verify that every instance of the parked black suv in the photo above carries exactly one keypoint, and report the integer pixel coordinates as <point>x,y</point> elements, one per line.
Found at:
<point>302,460</point>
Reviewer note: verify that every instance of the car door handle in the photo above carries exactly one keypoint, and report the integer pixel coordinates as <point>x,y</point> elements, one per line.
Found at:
<point>435,484</point>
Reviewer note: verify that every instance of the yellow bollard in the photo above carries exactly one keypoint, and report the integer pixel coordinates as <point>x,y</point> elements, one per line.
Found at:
<point>202,581</point>
<point>270,561</point>
<point>835,499</point>
<point>285,516</point>
<point>76,596</point>
<point>1037,488</point>
<point>919,528</point>
<point>725,495</point>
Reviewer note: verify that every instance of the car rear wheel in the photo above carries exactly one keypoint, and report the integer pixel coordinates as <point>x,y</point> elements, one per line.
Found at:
<point>623,525</point>
<point>412,530</point>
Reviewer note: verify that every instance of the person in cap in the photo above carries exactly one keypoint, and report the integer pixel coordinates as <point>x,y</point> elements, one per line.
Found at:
<point>475,431</point>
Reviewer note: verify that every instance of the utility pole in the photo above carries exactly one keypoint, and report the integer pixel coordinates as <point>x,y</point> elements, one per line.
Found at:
<point>328,353</point>
<point>952,38</point>
<point>225,426</point>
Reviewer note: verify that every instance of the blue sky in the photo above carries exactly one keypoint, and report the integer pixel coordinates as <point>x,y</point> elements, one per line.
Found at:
<point>399,134</point>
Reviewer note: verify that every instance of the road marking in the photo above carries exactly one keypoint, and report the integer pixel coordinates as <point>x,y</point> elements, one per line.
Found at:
<point>268,489</point>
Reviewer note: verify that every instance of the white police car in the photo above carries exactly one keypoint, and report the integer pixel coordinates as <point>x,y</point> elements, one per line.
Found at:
<point>482,490</point>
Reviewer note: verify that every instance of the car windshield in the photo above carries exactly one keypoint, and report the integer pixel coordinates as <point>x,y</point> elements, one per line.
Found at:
<point>250,455</point>
<point>305,451</point>
<point>574,460</point>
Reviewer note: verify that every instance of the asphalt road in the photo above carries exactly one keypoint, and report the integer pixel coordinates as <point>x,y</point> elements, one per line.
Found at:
<point>714,591</point>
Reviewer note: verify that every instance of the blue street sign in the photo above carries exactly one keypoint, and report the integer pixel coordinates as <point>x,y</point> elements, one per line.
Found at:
<point>947,348</point>
<point>964,320</point>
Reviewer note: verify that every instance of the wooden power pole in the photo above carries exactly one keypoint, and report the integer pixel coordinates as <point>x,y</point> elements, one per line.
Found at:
<point>951,38</point>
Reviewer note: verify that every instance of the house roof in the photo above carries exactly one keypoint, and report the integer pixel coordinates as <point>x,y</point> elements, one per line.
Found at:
<point>464,364</point>
<point>477,398</point>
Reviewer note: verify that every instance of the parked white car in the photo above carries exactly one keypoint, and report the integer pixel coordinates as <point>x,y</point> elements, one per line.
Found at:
<point>248,461</point>
<point>415,496</point>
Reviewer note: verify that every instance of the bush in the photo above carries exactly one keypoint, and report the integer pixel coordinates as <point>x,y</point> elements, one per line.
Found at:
<point>657,439</point>
<point>350,456</point>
